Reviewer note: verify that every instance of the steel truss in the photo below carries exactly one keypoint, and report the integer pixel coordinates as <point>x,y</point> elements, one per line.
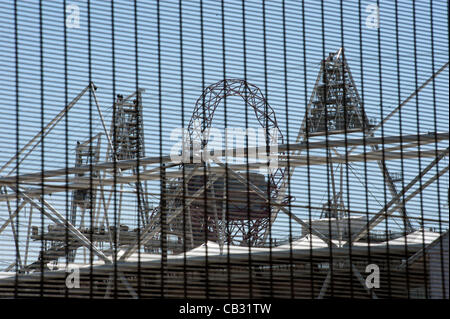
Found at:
<point>121,167</point>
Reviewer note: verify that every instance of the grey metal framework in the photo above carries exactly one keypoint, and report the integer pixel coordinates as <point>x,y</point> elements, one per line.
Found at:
<point>336,108</point>
<point>127,132</point>
<point>194,195</point>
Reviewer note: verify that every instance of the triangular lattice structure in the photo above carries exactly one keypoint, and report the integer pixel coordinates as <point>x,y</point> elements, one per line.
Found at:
<point>335,106</point>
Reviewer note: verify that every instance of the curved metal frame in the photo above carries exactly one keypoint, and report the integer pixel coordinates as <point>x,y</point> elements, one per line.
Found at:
<point>203,113</point>
<point>210,99</point>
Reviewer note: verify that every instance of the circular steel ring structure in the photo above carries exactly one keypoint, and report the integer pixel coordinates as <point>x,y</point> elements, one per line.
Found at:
<point>246,223</point>
<point>208,102</point>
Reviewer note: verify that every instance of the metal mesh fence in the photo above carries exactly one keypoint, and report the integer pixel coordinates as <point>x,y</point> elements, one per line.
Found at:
<point>224,149</point>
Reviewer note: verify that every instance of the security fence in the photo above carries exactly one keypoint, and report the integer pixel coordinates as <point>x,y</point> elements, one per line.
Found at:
<point>224,149</point>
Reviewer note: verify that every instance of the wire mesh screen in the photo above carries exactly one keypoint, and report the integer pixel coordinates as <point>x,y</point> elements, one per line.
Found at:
<point>224,149</point>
